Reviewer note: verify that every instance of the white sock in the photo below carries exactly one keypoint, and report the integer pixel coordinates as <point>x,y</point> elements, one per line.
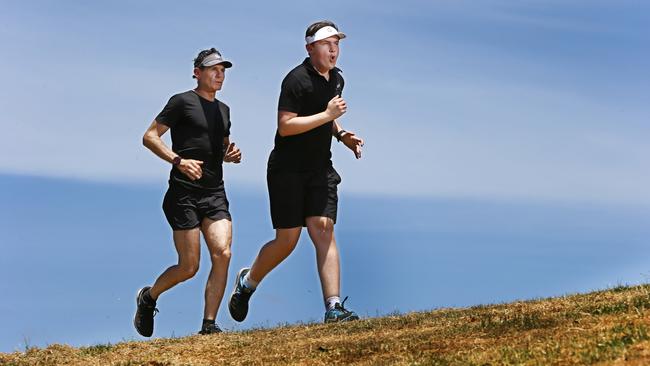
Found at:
<point>248,282</point>
<point>331,301</point>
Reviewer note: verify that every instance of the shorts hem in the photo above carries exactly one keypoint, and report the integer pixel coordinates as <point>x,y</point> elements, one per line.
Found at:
<point>220,216</point>
<point>303,223</point>
<point>178,228</point>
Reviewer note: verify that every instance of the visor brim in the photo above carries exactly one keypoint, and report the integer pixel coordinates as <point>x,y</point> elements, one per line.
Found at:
<point>226,64</point>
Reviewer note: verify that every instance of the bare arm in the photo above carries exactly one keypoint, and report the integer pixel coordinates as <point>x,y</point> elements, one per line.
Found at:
<point>290,124</point>
<point>152,141</point>
<point>336,127</point>
<point>349,139</point>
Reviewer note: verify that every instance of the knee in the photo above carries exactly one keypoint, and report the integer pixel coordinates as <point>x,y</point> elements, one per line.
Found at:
<point>321,226</point>
<point>188,270</point>
<point>287,242</point>
<point>221,254</point>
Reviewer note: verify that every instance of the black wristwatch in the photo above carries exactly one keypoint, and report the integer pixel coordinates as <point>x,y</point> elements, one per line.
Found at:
<point>339,134</point>
<point>177,160</point>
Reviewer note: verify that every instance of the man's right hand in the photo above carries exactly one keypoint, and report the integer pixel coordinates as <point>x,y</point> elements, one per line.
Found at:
<point>336,107</point>
<point>191,168</point>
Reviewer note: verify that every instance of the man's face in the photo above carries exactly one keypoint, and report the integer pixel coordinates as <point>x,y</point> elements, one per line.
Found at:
<point>210,78</point>
<point>324,53</point>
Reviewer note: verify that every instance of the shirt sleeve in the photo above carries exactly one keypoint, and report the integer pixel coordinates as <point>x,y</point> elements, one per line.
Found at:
<point>171,114</point>
<point>290,95</point>
<point>224,117</point>
<point>226,132</point>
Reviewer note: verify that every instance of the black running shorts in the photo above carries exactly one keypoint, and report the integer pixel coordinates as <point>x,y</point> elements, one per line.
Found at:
<point>185,208</point>
<point>295,196</point>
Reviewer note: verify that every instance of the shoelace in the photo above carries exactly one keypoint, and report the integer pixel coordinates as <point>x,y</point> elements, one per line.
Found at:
<point>343,302</point>
<point>341,306</point>
<point>243,289</point>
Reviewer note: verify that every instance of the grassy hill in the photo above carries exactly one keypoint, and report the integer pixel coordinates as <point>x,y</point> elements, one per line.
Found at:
<point>605,327</point>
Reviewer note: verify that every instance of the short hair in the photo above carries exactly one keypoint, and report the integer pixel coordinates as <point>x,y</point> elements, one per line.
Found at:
<point>201,56</point>
<point>312,29</point>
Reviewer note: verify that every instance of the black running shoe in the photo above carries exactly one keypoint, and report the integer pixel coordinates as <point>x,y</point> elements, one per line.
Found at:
<point>238,304</point>
<point>143,319</point>
<point>340,314</point>
<point>210,328</point>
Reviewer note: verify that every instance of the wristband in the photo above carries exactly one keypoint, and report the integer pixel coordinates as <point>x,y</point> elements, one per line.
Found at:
<point>339,134</point>
<point>176,160</point>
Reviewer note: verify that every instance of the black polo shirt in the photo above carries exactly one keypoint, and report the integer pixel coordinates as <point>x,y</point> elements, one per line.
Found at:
<point>198,127</point>
<point>306,92</point>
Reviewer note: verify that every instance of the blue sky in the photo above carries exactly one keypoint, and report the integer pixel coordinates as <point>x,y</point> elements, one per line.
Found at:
<point>506,154</point>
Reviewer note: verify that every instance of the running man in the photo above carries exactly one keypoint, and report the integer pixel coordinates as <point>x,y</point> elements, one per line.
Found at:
<point>196,199</point>
<point>301,180</point>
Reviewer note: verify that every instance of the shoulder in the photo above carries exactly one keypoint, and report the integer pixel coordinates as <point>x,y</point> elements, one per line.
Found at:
<point>298,76</point>
<point>182,98</point>
<point>297,82</point>
<point>299,71</point>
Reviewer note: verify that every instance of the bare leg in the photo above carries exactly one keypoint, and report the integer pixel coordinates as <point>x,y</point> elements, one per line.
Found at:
<point>321,232</point>
<point>218,237</point>
<point>274,252</point>
<point>187,244</point>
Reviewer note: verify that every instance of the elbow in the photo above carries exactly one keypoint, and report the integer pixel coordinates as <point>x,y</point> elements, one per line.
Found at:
<point>282,131</point>
<point>288,124</point>
<point>283,128</point>
<point>146,141</point>
<point>285,125</point>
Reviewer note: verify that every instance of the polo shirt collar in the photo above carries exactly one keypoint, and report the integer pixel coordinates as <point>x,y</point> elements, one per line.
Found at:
<point>310,67</point>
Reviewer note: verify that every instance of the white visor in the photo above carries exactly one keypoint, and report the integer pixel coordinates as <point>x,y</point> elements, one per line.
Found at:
<point>323,33</point>
<point>215,58</point>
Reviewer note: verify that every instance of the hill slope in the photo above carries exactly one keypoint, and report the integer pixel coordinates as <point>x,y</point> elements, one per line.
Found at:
<point>606,327</point>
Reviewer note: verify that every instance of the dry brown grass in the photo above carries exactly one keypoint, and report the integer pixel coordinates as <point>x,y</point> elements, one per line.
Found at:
<point>609,327</point>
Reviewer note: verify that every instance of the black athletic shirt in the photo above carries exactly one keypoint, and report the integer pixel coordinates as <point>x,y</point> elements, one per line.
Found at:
<point>197,128</point>
<point>306,92</point>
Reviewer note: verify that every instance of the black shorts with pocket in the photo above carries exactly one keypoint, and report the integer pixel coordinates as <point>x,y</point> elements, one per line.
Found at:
<point>185,208</point>
<point>295,196</point>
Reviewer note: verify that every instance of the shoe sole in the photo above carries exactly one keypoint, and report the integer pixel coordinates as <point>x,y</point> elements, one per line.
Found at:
<point>348,318</point>
<point>234,289</point>
<point>209,333</point>
<point>137,298</point>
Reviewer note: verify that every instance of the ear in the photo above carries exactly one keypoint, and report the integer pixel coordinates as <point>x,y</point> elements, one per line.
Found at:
<point>309,47</point>
<point>197,72</point>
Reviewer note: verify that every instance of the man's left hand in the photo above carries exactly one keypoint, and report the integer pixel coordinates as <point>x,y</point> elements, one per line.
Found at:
<point>353,142</point>
<point>232,154</point>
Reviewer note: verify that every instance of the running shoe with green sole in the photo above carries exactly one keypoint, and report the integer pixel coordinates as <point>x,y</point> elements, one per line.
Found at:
<point>340,314</point>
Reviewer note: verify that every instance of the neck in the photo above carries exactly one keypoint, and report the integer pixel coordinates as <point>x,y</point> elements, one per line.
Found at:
<point>206,94</point>
<point>323,70</point>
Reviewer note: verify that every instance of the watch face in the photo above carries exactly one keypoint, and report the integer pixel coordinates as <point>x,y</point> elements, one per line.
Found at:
<point>177,160</point>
